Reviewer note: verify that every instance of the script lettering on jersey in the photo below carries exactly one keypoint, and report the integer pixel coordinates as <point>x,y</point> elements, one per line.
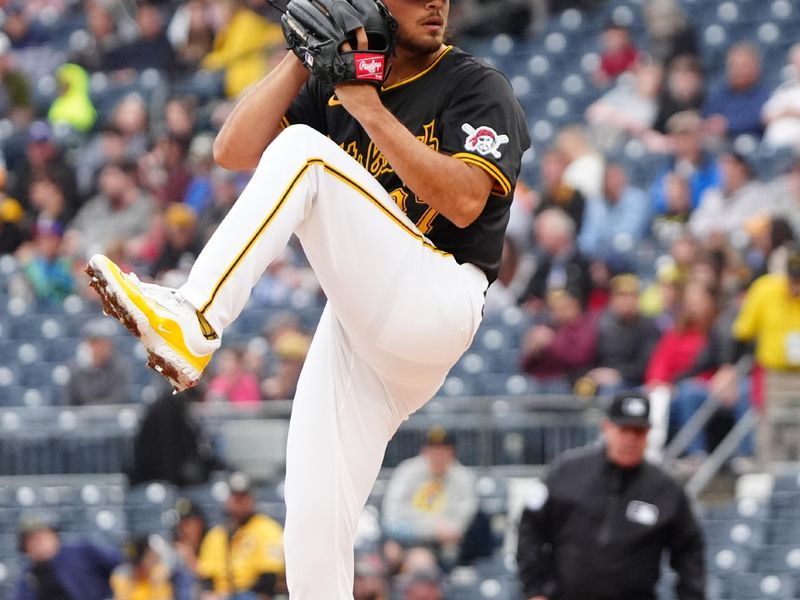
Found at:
<point>375,162</point>
<point>373,159</point>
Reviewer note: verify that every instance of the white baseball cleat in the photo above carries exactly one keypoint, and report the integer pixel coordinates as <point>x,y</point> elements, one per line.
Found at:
<point>169,327</point>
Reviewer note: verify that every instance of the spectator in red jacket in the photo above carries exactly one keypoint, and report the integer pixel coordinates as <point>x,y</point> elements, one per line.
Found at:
<point>557,353</point>
<point>619,54</point>
<point>678,349</point>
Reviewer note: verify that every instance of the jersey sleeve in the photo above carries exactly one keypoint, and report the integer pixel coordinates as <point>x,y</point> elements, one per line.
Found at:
<point>308,108</point>
<point>483,124</point>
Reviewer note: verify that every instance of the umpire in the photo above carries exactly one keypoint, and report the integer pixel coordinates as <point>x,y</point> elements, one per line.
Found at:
<point>598,525</point>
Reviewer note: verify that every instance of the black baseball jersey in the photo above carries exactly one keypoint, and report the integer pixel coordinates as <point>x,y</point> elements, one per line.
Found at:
<point>457,106</point>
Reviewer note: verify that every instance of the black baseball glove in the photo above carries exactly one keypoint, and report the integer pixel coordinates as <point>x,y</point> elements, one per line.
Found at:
<point>315,31</point>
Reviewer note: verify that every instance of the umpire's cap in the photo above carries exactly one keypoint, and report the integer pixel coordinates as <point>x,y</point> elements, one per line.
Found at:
<point>629,409</point>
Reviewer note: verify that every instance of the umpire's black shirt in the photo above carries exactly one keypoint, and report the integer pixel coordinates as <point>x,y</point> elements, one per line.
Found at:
<point>594,531</point>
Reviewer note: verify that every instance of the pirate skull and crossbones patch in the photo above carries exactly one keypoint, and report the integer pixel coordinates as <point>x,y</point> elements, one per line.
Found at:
<point>483,140</point>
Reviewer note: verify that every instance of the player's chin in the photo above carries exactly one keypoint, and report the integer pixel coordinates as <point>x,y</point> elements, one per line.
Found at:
<point>424,43</point>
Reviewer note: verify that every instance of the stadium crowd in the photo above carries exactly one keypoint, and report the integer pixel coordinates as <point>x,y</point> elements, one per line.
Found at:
<point>109,111</point>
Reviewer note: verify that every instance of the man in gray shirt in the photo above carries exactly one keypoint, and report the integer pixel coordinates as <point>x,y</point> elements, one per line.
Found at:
<point>431,499</point>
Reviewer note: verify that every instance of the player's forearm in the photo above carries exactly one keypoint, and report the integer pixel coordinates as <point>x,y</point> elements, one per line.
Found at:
<point>255,121</point>
<point>448,185</point>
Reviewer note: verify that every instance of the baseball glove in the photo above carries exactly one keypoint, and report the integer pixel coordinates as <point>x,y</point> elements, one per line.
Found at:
<point>315,31</point>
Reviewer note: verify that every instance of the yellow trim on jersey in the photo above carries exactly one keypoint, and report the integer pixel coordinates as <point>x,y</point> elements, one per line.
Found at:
<point>282,200</point>
<point>334,101</point>
<point>284,122</point>
<point>492,170</point>
<point>421,73</point>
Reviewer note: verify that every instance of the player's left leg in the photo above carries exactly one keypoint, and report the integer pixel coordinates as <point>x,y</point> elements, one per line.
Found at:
<point>343,416</point>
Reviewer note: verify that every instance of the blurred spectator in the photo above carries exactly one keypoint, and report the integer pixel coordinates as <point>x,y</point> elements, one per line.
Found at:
<point>770,317</point>
<point>781,113</point>
<point>190,530</point>
<point>520,220</point>
<point>370,581</point>
<point>107,145</point>
<point>171,444</point>
<point>559,263</point>
<point>73,107</point>
<point>670,225</point>
<point>181,243</point>
<point>679,348</point>
<point>684,89</point>
<point>47,200</point>
<point>97,49</point>
<point>430,501</point>
<point>233,383</point>
<point>43,158</point>
<point>20,29</point>
<point>556,354</point>
<point>291,348</point>
<point>145,575</point>
<point>225,190</point>
<point>625,339</point>
<point>78,571</point>
<point>200,162</point>
<point>191,32</point>
<point>98,374</point>
<point>598,526</point>
<point>149,50</point>
<point>12,232</point>
<point>728,208</point>
<point>628,110</point>
<point>725,385</point>
<point>615,222</point>
<point>618,53</point>
<point>243,558</point>
<point>180,117</point>
<point>786,190</point>
<point>15,88</point>
<point>585,166</point>
<point>241,46</point>
<point>670,34</point>
<point>734,107</point>
<point>422,585</point>
<point>120,212</point>
<point>555,192</point>
<point>130,117</point>
<point>688,160</point>
<point>770,244</point>
<point>501,294</point>
<point>47,272</point>
<point>163,170</point>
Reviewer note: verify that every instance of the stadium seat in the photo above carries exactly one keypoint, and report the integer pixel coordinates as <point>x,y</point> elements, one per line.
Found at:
<point>746,586</point>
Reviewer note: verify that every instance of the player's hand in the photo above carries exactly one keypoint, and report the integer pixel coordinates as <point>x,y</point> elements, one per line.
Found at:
<point>359,99</point>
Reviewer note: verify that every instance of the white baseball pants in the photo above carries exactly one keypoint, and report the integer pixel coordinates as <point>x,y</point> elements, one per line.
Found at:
<point>400,313</point>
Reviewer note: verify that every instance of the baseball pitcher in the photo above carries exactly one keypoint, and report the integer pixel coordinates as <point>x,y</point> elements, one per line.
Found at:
<point>393,158</point>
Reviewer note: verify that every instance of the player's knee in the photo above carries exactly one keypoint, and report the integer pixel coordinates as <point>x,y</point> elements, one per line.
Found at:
<point>299,137</point>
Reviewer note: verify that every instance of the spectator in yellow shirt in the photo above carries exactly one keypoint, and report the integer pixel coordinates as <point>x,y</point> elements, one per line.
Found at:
<point>243,559</point>
<point>145,575</point>
<point>241,47</point>
<point>770,317</point>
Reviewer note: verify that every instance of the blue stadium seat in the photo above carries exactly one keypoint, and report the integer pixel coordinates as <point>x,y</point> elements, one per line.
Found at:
<point>727,559</point>
<point>745,586</point>
<point>778,559</point>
